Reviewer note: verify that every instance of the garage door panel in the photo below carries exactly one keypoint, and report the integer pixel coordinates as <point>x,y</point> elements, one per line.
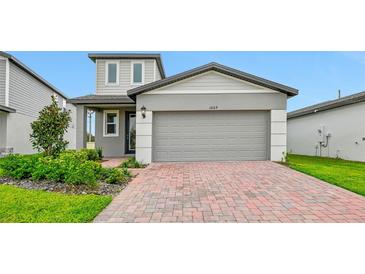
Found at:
<point>217,135</point>
<point>209,141</point>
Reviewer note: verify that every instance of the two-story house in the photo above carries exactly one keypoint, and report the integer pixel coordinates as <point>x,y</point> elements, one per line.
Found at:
<point>23,94</point>
<point>211,112</point>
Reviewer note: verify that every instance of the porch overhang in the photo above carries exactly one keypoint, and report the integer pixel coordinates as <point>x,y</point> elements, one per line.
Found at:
<point>7,109</point>
<point>94,100</point>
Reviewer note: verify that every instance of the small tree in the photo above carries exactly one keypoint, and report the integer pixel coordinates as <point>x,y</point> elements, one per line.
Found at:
<point>49,129</point>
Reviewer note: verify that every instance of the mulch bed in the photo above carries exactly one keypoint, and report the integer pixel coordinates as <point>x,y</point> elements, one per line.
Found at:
<point>101,189</point>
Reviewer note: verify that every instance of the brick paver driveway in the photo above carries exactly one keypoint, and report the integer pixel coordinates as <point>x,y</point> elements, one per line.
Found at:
<point>231,192</point>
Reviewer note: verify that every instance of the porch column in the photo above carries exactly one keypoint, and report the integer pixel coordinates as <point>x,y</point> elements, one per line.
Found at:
<point>144,137</point>
<point>81,123</point>
<point>278,135</point>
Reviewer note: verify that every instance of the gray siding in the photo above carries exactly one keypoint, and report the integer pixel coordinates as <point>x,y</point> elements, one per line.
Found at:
<point>2,81</point>
<point>210,136</point>
<point>112,146</point>
<point>157,73</point>
<point>125,68</point>
<point>26,94</point>
<point>345,124</point>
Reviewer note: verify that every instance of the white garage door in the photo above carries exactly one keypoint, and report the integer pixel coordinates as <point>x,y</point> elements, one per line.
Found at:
<point>210,136</point>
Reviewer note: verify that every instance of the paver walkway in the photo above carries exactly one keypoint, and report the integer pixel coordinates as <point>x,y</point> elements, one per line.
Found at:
<point>113,162</point>
<point>231,192</point>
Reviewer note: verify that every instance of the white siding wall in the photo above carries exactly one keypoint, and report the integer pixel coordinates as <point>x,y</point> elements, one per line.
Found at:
<point>346,125</point>
<point>3,125</point>
<point>125,74</point>
<point>70,135</point>
<point>212,81</point>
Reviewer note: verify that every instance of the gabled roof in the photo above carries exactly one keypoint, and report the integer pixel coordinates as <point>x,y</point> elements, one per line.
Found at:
<point>157,57</point>
<point>7,109</point>
<point>101,99</point>
<point>218,68</point>
<point>31,72</point>
<point>347,100</point>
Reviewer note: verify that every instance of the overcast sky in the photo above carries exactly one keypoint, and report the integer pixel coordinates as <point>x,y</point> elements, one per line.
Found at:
<point>317,75</point>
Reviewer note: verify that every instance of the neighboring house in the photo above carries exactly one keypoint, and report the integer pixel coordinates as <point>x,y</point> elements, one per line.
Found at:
<point>212,112</point>
<point>334,128</point>
<point>23,94</point>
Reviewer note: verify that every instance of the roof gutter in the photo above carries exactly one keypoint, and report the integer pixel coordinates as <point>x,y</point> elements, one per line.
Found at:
<point>344,101</point>
<point>32,73</point>
<point>215,67</point>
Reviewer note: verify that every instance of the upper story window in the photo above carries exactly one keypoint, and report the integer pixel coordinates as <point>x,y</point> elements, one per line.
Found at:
<point>137,73</point>
<point>112,73</point>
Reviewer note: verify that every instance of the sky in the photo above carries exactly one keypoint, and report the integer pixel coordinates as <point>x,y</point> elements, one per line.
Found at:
<point>317,75</point>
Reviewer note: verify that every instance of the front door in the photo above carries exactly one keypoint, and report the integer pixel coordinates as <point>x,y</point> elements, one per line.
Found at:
<point>130,132</point>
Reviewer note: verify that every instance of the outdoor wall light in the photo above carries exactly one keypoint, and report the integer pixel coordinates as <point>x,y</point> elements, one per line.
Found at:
<point>143,112</point>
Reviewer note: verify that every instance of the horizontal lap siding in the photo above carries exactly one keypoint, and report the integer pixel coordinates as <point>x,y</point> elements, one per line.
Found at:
<point>2,81</point>
<point>125,75</point>
<point>26,94</point>
<point>212,81</point>
<point>220,135</point>
<point>149,71</point>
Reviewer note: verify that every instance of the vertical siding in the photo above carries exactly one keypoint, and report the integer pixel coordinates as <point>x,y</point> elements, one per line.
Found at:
<point>2,81</point>
<point>26,94</point>
<point>125,69</point>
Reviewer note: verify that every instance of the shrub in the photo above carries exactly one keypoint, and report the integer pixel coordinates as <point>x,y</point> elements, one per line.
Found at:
<point>99,151</point>
<point>49,129</point>
<point>47,168</point>
<point>73,156</point>
<point>71,167</point>
<point>92,154</point>
<point>132,163</point>
<point>19,166</point>
<point>115,175</point>
<point>85,173</point>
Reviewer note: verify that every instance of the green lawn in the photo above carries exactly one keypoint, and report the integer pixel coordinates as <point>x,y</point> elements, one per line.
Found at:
<point>19,205</point>
<point>346,174</point>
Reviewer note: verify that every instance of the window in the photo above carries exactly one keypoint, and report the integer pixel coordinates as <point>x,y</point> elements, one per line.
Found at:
<point>137,72</point>
<point>112,73</point>
<point>111,123</point>
<point>64,104</point>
